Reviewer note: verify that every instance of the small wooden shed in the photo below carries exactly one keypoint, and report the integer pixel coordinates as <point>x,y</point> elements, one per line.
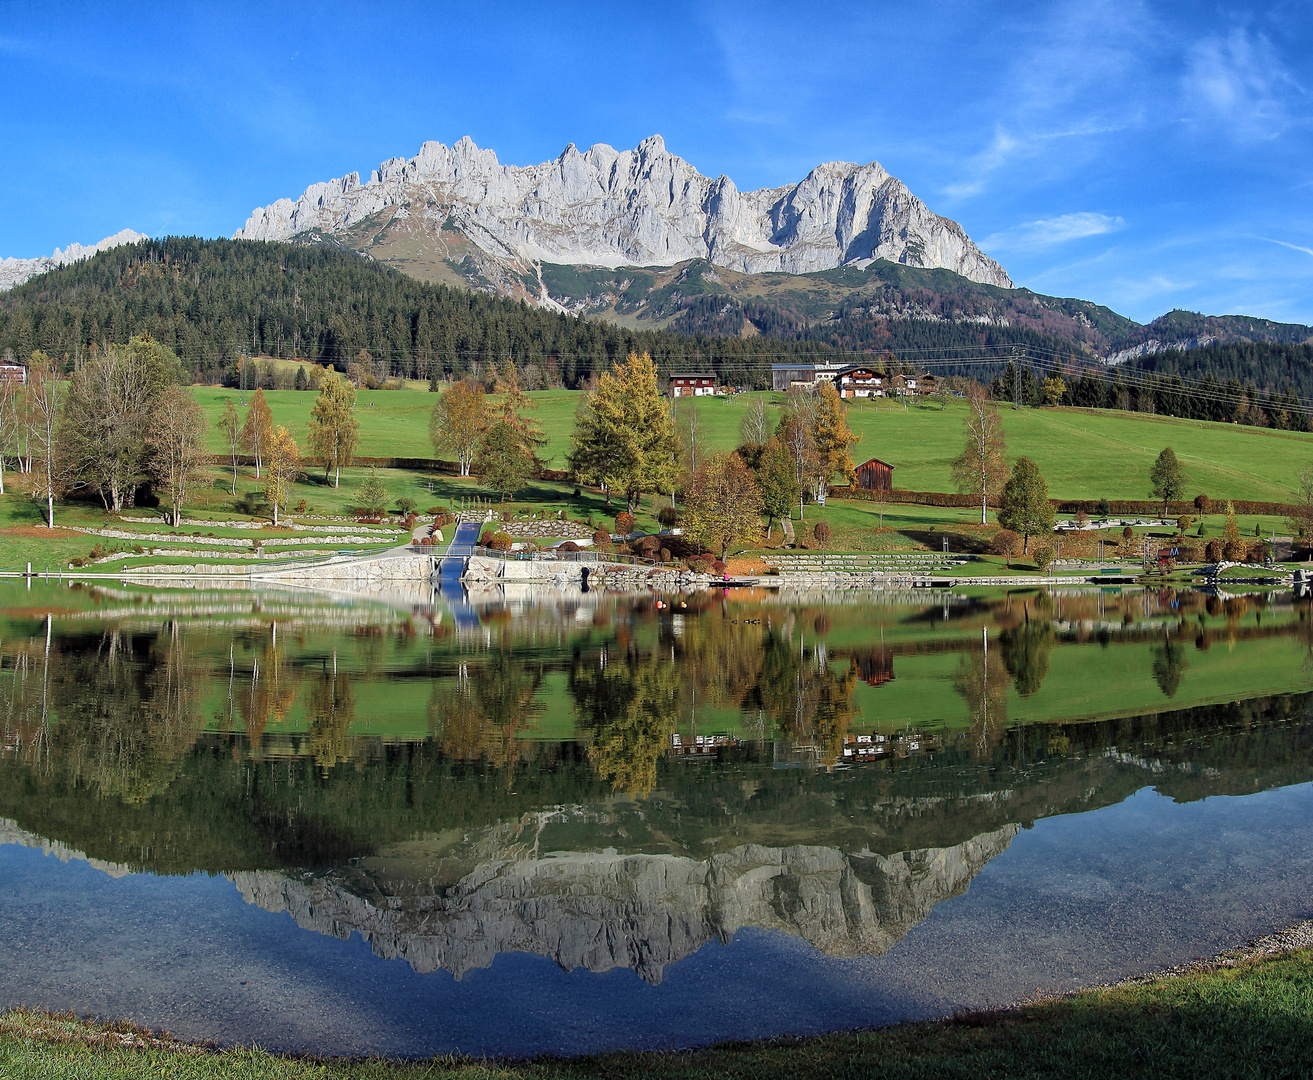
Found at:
<point>875,475</point>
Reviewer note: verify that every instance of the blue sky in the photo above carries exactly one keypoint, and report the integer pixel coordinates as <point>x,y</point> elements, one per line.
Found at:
<point>1145,156</point>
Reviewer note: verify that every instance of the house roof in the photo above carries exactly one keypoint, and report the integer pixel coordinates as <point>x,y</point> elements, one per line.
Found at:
<point>876,461</point>
<point>694,375</point>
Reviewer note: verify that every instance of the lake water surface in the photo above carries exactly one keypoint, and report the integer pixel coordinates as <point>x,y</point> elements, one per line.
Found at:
<point>569,822</point>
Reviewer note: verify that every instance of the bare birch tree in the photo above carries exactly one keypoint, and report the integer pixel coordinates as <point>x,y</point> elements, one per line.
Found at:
<point>231,426</point>
<point>177,439</point>
<point>44,399</point>
<point>981,468</point>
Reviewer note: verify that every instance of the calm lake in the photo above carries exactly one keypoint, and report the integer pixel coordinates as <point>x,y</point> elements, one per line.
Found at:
<point>552,822</point>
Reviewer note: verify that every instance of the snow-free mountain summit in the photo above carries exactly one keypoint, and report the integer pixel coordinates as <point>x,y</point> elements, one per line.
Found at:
<point>640,207</point>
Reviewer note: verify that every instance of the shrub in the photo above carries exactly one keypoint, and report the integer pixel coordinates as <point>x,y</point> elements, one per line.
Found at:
<point>485,537</point>
<point>569,545</point>
<point>1104,508</point>
<point>1128,535</point>
<point>1006,543</point>
<point>718,567</point>
<point>436,510</point>
<point>77,560</point>
<point>1043,556</point>
<point>1183,523</point>
<point>646,545</point>
<point>602,540</point>
<point>302,506</point>
<point>1213,551</point>
<point>500,542</point>
<point>663,555</point>
<point>137,549</point>
<point>406,505</point>
<point>668,516</point>
<point>1258,551</point>
<point>624,523</point>
<point>1235,550</point>
<point>1082,519</point>
<point>822,532</point>
<point>425,541</point>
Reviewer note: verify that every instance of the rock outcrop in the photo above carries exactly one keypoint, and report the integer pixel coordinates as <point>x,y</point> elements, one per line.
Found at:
<point>641,207</point>
<point>603,910</point>
<point>16,271</point>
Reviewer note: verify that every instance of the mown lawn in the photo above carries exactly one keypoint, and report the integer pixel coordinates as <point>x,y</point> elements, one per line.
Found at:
<point>1254,1019</point>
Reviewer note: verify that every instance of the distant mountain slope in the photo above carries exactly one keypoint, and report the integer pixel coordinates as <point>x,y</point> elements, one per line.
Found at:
<point>1273,367</point>
<point>459,207</point>
<point>214,300</point>
<point>1181,330</point>
<point>16,271</point>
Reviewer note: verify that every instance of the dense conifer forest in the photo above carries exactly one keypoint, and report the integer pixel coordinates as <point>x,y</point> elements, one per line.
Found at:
<point>213,301</point>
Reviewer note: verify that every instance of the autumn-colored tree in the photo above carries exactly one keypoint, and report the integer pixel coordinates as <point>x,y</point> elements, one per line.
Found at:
<point>1233,544</point>
<point>1024,507</point>
<point>177,443</point>
<point>516,410</point>
<point>1054,388</point>
<point>283,463</point>
<point>797,437</point>
<point>504,462</point>
<point>777,482</point>
<point>623,439</point>
<point>458,423</point>
<point>723,504</point>
<point>334,429</point>
<point>231,426</point>
<point>981,467</point>
<point>1167,477</point>
<point>372,498</point>
<point>834,439</point>
<point>106,418</point>
<point>258,431</point>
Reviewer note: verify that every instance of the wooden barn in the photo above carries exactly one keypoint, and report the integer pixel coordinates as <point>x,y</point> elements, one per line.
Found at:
<point>875,475</point>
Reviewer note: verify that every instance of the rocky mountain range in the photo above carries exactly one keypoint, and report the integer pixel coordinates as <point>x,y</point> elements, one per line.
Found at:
<point>16,271</point>
<point>610,208</point>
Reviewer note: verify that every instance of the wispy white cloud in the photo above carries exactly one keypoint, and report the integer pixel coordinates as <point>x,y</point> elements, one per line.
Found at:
<point>1046,232</point>
<point>1240,82</point>
<point>1287,244</point>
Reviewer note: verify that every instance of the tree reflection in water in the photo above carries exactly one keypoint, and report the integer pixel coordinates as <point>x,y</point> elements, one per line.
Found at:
<point>1169,665</point>
<point>486,714</point>
<point>982,680</point>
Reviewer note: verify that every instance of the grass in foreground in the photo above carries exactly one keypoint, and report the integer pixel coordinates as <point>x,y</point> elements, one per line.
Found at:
<point>1254,1019</point>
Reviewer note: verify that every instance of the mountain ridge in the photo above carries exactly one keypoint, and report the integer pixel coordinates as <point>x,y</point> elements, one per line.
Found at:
<point>646,206</point>
<point>14,271</point>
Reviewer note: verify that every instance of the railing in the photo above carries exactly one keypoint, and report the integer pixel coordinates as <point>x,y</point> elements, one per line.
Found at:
<point>438,552</point>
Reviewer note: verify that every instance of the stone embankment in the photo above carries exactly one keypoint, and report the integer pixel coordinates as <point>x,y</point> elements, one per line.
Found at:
<point>362,575</point>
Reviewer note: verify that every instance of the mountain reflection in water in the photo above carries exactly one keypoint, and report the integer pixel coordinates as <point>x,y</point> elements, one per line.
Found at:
<point>612,785</point>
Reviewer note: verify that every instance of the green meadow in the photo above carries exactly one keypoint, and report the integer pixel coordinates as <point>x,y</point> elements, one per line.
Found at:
<point>1083,453</point>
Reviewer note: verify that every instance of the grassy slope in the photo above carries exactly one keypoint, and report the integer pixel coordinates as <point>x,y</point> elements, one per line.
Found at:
<point>1253,1019</point>
<point>1083,454</point>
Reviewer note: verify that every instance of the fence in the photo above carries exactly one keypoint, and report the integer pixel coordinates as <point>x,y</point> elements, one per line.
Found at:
<point>1070,506</point>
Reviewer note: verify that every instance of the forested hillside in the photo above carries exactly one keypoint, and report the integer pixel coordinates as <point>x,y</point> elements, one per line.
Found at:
<point>1273,368</point>
<point>212,301</point>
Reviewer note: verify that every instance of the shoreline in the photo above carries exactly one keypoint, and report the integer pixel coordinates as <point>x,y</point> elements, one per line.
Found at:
<point>88,1032</point>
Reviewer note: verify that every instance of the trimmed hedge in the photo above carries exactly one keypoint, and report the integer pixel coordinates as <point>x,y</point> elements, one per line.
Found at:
<point>418,463</point>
